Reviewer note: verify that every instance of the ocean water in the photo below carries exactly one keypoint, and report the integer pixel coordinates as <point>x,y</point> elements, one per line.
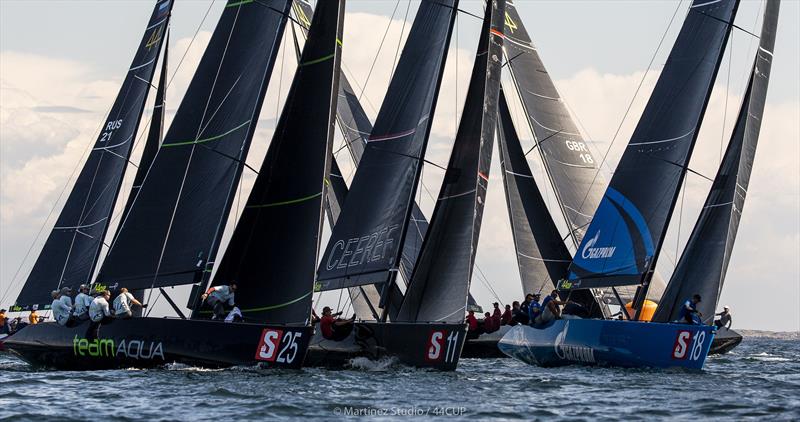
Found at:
<point>758,380</point>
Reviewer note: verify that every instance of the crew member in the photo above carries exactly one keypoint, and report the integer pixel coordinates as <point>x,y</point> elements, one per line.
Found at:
<point>82,302</point>
<point>5,327</point>
<point>524,310</point>
<point>689,313</point>
<point>514,313</point>
<point>218,296</point>
<point>62,311</point>
<point>489,325</point>
<point>66,297</point>
<point>497,312</point>
<point>3,314</point>
<point>33,317</point>
<point>505,319</point>
<point>98,309</point>
<point>534,308</point>
<point>123,303</point>
<point>725,319</point>
<point>551,308</point>
<point>472,325</point>
<point>335,329</point>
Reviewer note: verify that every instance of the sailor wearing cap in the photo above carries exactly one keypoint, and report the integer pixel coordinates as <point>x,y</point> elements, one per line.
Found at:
<point>82,303</point>
<point>61,306</point>
<point>725,319</point>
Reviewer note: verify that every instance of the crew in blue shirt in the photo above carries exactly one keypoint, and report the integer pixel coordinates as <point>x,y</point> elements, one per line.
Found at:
<point>534,308</point>
<point>689,313</point>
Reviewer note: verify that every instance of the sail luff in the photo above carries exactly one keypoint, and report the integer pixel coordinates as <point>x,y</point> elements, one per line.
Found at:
<point>623,241</point>
<point>380,200</point>
<point>440,283</point>
<point>704,262</point>
<point>71,252</point>
<point>172,231</point>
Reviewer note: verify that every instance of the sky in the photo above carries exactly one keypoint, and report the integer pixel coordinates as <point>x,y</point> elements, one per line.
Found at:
<point>61,64</point>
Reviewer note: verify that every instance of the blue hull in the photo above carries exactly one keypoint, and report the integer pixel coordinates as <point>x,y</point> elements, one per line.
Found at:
<point>610,343</point>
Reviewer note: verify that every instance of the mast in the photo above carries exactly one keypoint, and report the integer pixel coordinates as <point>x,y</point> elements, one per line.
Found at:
<point>440,284</point>
<point>272,255</point>
<point>174,226</point>
<point>623,241</point>
<point>366,242</point>
<point>72,249</point>
<point>704,262</point>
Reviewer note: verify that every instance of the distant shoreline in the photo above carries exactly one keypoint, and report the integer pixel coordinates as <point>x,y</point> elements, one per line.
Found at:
<point>783,335</point>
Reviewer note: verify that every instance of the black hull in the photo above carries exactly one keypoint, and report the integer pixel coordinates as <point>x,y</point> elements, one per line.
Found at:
<point>724,341</point>
<point>421,345</point>
<point>485,346</point>
<point>151,342</point>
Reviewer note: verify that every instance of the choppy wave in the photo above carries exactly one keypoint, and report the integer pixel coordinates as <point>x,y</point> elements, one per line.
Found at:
<point>759,379</point>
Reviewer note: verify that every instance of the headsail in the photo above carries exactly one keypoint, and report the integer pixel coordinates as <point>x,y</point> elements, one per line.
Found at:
<point>571,167</point>
<point>272,255</point>
<point>625,236</point>
<point>440,284</point>
<point>173,229</point>
<point>704,261</point>
<point>70,253</point>
<point>366,242</point>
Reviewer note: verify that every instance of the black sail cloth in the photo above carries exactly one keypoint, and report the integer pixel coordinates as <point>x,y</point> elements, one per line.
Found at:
<point>366,242</point>
<point>272,255</point>
<point>72,249</point>
<point>704,262</point>
<point>440,284</point>
<point>175,224</point>
<point>623,241</point>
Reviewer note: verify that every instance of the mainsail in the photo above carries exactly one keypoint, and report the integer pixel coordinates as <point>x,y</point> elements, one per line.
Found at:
<point>705,259</point>
<point>173,229</point>
<point>626,234</point>
<point>272,255</point>
<point>571,167</point>
<point>366,242</point>
<point>440,283</point>
<point>72,249</point>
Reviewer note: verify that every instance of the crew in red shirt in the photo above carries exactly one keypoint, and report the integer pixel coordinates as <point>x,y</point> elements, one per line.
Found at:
<point>505,319</point>
<point>336,329</point>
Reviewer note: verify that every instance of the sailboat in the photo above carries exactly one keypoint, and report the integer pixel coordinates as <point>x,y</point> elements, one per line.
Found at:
<point>704,262</point>
<point>170,233</point>
<point>625,236</point>
<point>366,241</point>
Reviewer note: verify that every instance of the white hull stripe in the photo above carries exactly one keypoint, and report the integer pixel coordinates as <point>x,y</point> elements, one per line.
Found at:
<point>541,259</point>
<point>718,205</point>
<point>520,43</point>
<point>765,50</point>
<point>141,65</point>
<point>444,198</point>
<point>81,226</point>
<point>107,147</point>
<point>520,175</point>
<point>705,4</point>
<point>543,96</point>
<point>560,132</point>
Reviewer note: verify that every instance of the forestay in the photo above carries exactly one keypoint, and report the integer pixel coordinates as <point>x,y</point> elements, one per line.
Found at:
<point>366,242</point>
<point>625,236</point>
<point>704,262</point>
<point>72,249</point>
<point>440,283</point>
<point>172,232</point>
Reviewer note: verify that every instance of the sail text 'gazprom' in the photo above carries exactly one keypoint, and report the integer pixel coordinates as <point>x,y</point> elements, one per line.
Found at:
<point>590,252</point>
<point>362,249</point>
<point>134,349</point>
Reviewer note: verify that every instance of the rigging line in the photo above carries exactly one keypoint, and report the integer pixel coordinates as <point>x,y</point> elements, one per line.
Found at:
<point>380,47</point>
<point>727,94</point>
<point>731,24</point>
<point>687,168</point>
<point>280,85</point>
<point>680,221</point>
<point>630,104</point>
<point>191,154</point>
<point>536,144</point>
<point>400,40</point>
<point>509,60</point>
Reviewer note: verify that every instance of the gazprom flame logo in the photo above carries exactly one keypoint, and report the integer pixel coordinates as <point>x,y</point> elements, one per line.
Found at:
<point>590,252</point>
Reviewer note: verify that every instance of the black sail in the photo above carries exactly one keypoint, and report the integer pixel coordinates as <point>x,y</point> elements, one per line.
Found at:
<point>72,249</point>
<point>542,256</point>
<point>366,242</point>
<point>571,167</point>
<point>440,284</point>
<point>626,234</point>
<point>175,224</point>
<point>705,259</point>
<point>154,135</point>
<point>356,127</point>
<point>272,255</point>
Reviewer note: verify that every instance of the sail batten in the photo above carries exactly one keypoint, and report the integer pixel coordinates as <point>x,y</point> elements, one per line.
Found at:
<point>440,283</point>
<point>272,255</point>
<point>703,264</point>
<point>71,251</point>
<point>172,232</point>
<point>624,239</point>
<point>367,241</point>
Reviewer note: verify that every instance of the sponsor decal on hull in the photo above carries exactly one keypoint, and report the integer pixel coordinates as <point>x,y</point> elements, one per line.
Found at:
<point>572,353</point>
<point>108,348</point>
